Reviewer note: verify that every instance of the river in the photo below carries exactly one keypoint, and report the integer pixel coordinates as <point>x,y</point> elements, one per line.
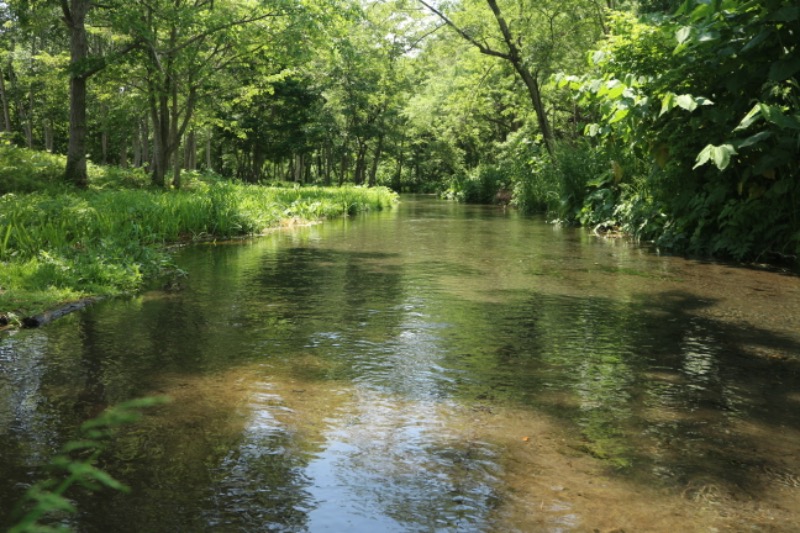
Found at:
<point>438,367</point>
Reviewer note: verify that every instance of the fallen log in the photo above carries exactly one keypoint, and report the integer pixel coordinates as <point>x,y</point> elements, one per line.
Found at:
<point>48,316</point>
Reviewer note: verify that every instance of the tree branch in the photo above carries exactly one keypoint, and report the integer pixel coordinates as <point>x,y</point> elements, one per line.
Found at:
<point>210,31</point>
<point>67,13</point>
<point>513,51</point>
<point>103,60</point>
<point>483,48</point>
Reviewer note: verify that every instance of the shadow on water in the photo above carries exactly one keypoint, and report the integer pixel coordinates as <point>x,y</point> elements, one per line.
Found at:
<point>337,384</point>
<point>655,389</point>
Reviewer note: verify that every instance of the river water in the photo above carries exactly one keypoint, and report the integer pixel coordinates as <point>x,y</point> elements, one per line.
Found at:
<point>438,367</point>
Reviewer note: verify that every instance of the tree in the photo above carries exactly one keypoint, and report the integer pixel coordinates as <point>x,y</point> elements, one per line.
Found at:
<point>531,41</point>
<point>184,45</point>
<point>75,12</point>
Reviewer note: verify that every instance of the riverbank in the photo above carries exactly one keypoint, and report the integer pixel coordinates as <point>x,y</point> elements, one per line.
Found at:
<point>60,245</point>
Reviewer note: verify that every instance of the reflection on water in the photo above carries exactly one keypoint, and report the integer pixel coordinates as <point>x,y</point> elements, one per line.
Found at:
<point>438,368</point>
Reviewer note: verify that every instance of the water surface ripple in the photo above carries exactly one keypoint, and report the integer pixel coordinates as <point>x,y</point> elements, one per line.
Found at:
<point>437,368</point>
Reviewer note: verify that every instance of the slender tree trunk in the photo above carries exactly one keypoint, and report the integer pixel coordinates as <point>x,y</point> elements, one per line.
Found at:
<point>174,138</point>
<point>176,168</point>
<point>123,153</point>
<point>136,146</point>
<point>208,151</point>
<point>258,163</point>
<point>300,168</point>
<point>27,118</point>
<point>144,131</point>
<point>75,18</point>
<point>373,173</point>
<point>190,152</point>
<point>513,56</point>
<point>343,166</point>
<point>104,146</point>
<point>159,108</point>
<point>47,128</point>
<point>4,103</point>
<point>361,163</point>
<point>531,83</point>
<point>398,174</point>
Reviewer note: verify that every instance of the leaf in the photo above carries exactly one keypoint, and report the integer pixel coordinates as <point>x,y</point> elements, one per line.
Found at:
<point>703,157</point>
<point>784,69</point>
<point>720,155</point>
<point>786,14</point>
<point>591,130</point>
<point>73,445</point>
<point>686,101</point>
<point>753,139</point>
<point>774,115</point>
<point>619,115</point>
<point>667,103</point>
<point>758,39</point>
<point>749,118</point>
<point>612,90</point>
<point>684,34</point>
<point>708,36</point>
<point>86,472</point>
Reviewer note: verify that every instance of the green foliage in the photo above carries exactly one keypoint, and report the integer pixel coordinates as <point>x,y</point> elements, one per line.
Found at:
<point>555,184</point>
<point>480,185</point>
<point>75,467</point>
<point>701,111</point>
<point>23,170</point>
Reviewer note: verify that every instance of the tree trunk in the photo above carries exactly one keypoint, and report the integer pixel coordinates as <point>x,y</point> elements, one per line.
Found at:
<point>190,151</point>
<point>343,166</point>
<point>136,145</point>
<point>27,118</point>
<point>104,147</point>
<point>4,103</point>
<point>159,110</point>
<point>373,173</point>
<point>361,163</point>
<point>47,128</point>
<point>208,151</point>
<point>144,131</point>
<point>398,174</point>
<point>174,136</point>
<point>535,94</point>
<point>514,57</point>
<point>258,163</point>
<point>176,168</point>
<point>75,17</point>
<point>531,83</point>
<point>123,153</point>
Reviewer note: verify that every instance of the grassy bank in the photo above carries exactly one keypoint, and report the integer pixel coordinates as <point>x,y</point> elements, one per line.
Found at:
<point>59,244</point>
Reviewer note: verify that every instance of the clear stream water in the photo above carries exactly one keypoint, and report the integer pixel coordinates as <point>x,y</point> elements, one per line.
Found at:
<point>438,367</point>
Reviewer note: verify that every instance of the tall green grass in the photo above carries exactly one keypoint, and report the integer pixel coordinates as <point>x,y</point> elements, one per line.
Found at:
<point>63,244</point>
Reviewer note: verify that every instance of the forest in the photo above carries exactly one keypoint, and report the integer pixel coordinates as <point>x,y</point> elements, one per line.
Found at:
<point>127,125</point>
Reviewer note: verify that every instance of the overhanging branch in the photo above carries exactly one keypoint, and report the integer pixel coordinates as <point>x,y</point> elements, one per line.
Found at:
<point>480,46</point>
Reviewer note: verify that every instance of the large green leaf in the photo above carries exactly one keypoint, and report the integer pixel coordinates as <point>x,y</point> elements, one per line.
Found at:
<point>719,155</point>
<point>752,116</point>
<point>753,139</point>
<point>784,69</point>
<point>775,115</point>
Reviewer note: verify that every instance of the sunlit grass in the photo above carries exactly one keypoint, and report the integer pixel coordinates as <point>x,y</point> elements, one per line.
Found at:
<point>59,244</point>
